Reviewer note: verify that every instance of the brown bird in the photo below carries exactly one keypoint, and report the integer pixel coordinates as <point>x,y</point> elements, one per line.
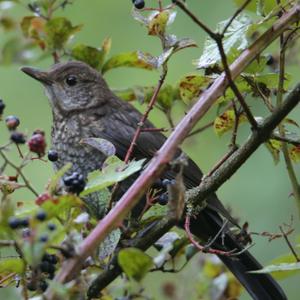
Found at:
<point>83,106</point>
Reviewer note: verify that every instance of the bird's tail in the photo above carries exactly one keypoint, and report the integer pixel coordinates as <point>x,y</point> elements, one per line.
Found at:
<point>259,286</point>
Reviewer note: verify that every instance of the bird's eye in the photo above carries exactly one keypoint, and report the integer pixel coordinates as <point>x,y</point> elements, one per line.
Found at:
<point>71,80</point>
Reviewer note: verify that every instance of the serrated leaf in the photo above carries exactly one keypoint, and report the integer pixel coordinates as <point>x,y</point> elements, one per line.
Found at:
<point>11,265</point>
<point>55,180</point>
<point>102,145</point>
<point>274,148</point>
<point>90,55</point>
<point>226,121</point>
<point>58,31</point>
<point>235,40</point>
<point>294,152</point>
<point>135,59</point>
<point>114,170</point>
<point>134,262</point>
<point>191,86</point>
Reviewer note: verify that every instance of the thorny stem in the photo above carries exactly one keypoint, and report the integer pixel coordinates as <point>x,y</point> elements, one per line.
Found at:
<point>237,12</point>
<point>19,172</point>
<point>289,244</point>
<point>233,86</point>
<point>285,151</point>
<point>145,115</point>
<point>205,249</point>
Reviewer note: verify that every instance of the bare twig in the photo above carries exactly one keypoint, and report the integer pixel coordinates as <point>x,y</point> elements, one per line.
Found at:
<point>289,244</point>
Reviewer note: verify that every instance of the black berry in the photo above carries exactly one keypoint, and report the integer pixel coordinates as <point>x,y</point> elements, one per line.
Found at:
<point>50,258</point>
<point>24,222</point>
<point>17,137</point>
<point>270,60</point>
<point>41,215</point>
<point>43,285</point>
<point>52,155</point>
<point>31,286</point>
<point>43,238</point>
<point>139,4</point>
<point>75,183</point>
<point>2,106</point>
<point>51,226</point>
<point>13,222</point>
<point>163,199</point>
<point>167,182</point>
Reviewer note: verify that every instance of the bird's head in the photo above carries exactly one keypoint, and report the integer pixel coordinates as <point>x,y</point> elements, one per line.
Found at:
<point>71,86</point>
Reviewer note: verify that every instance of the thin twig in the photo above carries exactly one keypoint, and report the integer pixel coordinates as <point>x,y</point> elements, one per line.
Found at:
<point>289,244</point>
<point>237,12</point>
<point>201,129</point>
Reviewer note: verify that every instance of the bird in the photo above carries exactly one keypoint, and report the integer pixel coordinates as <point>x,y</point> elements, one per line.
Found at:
<point>83,106</point>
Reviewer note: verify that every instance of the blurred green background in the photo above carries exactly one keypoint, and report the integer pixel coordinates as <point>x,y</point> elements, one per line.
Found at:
<point>258,193</point>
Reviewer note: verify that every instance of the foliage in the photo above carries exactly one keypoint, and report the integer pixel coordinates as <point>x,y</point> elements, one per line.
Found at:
<point>54,224</point>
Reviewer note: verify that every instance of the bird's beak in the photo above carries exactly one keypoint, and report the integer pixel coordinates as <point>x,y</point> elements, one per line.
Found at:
<point>37,74</point>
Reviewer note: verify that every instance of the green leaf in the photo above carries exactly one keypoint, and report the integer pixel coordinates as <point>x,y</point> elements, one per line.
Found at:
<point>135,59</point>
<point>54,182</point>
<point>90,55</point>
<point>235,40</point>
<point>11,265</point>
<point>134,262</point>
<point>114,170</point>
<point>58,31</point>
<point>102,145</point>
<point>283,267</point>
<point>191,86</point>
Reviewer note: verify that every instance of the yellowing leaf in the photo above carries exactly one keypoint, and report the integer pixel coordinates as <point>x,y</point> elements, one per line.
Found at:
<point>157,25</point>
<point>11,265</point>
<point>192,86</point>
<point>295,153</point>
<point>274,147</point>
<point>134,262</point>
<point>226,121</point>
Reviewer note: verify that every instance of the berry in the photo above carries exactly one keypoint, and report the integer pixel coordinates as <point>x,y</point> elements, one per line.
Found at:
<point>24,222</point>
<point>42,198</point>
<point>52,155</point>
<point>163,199</point>
<point>43,285</point>
<point>44,266</point>
<point>2,106</point>
<point>37,143</point>
<point>43,238</point>
<point>50,258</point>
<point>41,215</point>
<point>51,226</point>
<point>139,4</point>
<point>270,60</point>
<point>12,122</point>
<point>75,183</point>
<point>17,137</point>
<point>14,222</point>
<point>31,286</point>
<point>167,182</point>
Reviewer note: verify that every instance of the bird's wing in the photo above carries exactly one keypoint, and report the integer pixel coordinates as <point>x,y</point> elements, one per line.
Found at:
<point>120,131</point>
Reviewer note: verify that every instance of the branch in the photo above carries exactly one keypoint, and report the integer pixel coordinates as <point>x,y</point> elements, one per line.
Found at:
<point>73,266</point>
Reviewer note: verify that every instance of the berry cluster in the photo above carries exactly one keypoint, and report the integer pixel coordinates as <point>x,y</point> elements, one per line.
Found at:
<point>16,223</point>
<point>75,183</point>
<point>139,4</point>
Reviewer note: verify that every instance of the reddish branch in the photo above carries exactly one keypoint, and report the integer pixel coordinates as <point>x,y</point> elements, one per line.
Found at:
<point>73,266</point>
